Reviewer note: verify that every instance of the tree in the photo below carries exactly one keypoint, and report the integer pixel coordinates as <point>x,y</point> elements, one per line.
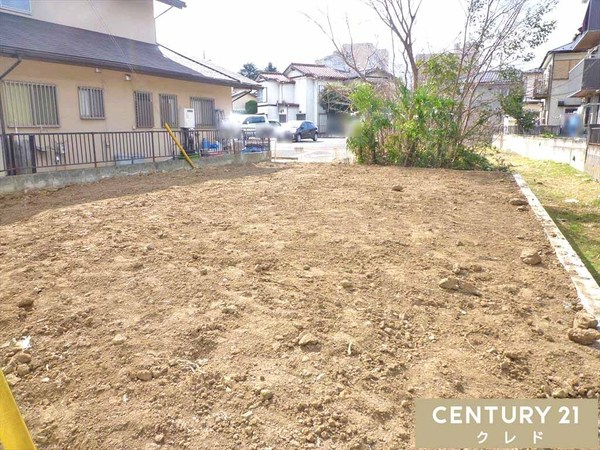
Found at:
<point>251,107</point>
<point>512,106</point>
<point>497,35</point>
<point>400,16</point>
<point>249,70</point>
<point>335,98</point>
<point>270,67</point>
<point>443,119</point>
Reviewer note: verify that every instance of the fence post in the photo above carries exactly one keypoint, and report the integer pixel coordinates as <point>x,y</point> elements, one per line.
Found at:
<point>32,153</point>
<point>94,150</point>
<point>4,146</point>
<point>11,155</point>
<point>152,136</point>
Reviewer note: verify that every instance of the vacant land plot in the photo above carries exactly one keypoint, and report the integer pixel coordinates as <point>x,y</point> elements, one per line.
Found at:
<point>260,307</point>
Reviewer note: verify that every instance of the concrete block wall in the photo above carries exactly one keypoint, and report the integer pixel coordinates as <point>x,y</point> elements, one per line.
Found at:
<point>44,180</point>
<point>592,162</point>
<point>566,151</point>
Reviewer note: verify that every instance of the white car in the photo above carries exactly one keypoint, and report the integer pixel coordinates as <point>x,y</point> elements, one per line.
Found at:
<point>257,124</point>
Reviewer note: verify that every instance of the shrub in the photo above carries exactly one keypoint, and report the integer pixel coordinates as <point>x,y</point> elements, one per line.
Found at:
<point>251,107</point>
<point>414,128</point>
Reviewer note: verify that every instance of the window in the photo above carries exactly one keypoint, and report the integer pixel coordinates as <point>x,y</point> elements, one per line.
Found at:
<point>282,118</point>
<point>144,112</point>
<point>168,110</point>
<point>91,103</point>
<point>254,119</point>
<point>262,95</point>
<point>204,110</point>
<point>30,104</point>
<point>17,5</point>
<point>300,116</point>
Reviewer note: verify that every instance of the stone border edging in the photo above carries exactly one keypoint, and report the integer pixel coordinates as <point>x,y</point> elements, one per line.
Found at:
<point>588,290</point>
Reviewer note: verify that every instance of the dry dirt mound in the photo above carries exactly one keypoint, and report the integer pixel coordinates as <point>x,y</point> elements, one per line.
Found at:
<point>266,307</point>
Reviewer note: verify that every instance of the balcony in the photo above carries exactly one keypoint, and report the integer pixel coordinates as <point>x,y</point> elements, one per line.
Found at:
<point>540,89</point>
<point>590,32</point>
<point>584,78</point>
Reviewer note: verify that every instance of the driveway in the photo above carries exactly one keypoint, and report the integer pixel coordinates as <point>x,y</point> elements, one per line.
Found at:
<point>323,150</point>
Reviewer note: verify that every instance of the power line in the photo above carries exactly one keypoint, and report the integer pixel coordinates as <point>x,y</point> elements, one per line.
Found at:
<point>112,37</point>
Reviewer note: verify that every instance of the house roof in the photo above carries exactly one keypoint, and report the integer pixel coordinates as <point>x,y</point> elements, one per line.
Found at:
<point>318,71</point>
<point>176,3</point>
<point>35,39</point>
<point>492,77</point>
<point>276,76</point>
<point>567,48</point>
<point>241,94</point>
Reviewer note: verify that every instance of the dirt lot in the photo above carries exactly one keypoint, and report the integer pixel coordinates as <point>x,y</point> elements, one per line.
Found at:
<point>268,307</point>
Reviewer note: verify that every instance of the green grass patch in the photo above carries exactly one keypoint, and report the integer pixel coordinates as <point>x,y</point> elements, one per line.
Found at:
<point>571,198</point>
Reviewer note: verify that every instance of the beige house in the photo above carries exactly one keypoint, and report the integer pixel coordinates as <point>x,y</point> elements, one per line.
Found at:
<point>95,66</point>
<point>240,97</point>
<point>554,88</point>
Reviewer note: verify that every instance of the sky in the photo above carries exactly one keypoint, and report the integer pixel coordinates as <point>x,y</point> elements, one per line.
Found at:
<point>233,32</point>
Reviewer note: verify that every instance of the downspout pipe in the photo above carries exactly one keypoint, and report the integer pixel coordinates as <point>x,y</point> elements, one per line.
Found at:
<point>4,75</point>
<point>3,138</point>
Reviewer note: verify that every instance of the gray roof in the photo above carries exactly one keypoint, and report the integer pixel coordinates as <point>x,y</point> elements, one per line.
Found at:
<point>275,76</point>
<point>175,3</point>
<point>317,71</point>
<point>492,77</point>
<point>34,39</point>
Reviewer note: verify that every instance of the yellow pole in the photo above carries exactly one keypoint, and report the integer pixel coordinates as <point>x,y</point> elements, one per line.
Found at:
<point>187,158</point>
<point>13,431</point>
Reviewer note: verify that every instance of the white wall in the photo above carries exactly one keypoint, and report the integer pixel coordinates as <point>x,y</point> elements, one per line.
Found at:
<point>270,110</point>
<point>288,92</point>
<point>560,91</point>
<point>301,94</point>
<point>566,151</point>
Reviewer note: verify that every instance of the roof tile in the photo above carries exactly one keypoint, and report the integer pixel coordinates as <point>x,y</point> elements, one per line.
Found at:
<point>36,39</point>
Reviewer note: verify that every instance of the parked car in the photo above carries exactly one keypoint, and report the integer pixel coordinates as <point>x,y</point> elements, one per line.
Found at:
<point>257,124</point>
<point>300,129</point>
<point>277,130</point>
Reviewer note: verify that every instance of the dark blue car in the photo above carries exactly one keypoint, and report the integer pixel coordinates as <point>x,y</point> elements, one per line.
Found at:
<point>300,129</point>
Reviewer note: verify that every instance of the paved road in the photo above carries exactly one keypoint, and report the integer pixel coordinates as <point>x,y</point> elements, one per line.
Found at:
<point>324,150</point>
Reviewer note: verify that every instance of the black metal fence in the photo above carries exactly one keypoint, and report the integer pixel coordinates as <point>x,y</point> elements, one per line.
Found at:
<point>594,134</point>
<point>24,153</point>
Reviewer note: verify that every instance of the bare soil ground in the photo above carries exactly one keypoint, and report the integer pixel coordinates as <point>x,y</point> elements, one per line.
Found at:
<point>267,307</point>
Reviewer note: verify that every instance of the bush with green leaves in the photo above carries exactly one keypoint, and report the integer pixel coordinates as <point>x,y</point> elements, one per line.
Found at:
<point>251,107</point>
<point>416,128</point>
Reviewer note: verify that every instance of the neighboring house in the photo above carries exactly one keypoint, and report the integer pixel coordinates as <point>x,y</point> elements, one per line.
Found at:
<point>491,86</point>
<point>277,97</point>
<point>555,89</point>
<point>366,57</point>
<point>584,78</point>
<point>240,97</point>
<point>294,94</point>
<point>532,81</point>
<point>95,66</point>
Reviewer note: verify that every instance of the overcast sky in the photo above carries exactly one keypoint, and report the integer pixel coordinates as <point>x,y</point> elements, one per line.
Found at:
<point>232,32</point>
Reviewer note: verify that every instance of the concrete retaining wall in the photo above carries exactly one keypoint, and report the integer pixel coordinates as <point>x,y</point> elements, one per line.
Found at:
<point>592,162</point>
<point>62,178</point>
<point>566,151</point>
